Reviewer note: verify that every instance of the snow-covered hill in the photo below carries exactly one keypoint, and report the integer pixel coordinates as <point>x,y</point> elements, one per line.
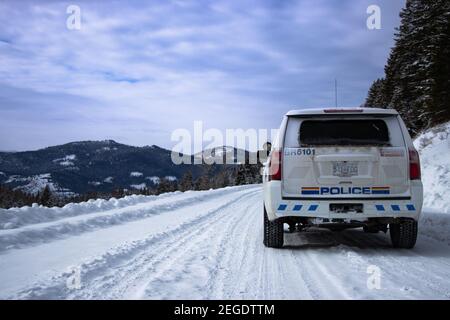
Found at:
<point>89,166</point>
<point>434,149</point>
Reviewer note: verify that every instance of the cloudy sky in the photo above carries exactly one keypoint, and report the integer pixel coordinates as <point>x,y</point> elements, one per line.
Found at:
<point>137,70</point>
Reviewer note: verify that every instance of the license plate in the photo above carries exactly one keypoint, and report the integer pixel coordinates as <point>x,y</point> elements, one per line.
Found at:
<point>345,168</point>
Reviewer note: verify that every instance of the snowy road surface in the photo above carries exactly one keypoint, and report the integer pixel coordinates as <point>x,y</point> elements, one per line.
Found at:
<point>206,245</point>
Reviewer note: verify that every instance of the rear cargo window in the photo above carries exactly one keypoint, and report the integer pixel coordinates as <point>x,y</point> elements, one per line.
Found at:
<point>323,131</point>
<point>344,132</point>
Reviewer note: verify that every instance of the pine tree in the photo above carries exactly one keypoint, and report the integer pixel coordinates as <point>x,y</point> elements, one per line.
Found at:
<point>417,72</point>
<point>376,97</point>
<point>186,182</point>
<point>202,183</point>
<point>118,193</point>
<point>440,58</point>
<point>221,179</point>
<point>45,197</point>
<point>14,198</point>
<point>163,186</point>
<point>241,175</point>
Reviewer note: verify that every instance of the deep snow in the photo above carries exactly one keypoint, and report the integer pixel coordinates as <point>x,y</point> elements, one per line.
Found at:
<point>434,149</point>
<point>208,244</point>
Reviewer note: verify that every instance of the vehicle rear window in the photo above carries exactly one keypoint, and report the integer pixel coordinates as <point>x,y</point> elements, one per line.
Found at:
<point>343,132</point>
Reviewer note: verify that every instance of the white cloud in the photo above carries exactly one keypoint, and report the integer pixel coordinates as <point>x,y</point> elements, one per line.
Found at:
<point>135,71</point>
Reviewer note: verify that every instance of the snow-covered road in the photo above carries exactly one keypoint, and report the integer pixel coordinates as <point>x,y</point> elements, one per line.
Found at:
<point>207,245</point>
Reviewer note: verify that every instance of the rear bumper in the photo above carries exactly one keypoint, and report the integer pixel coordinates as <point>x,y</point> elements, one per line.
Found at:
<point>277,207</point>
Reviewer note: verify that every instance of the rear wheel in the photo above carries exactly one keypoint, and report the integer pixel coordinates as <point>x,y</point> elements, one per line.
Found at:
<point>403,234</point>
<point>273,232</point>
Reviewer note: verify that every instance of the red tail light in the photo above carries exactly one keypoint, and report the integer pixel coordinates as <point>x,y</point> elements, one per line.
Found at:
<point>275,165</point>
<point>414,165</point>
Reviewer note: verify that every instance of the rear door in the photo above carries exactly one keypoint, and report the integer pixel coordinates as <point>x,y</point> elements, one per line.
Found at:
<point>348,156</point>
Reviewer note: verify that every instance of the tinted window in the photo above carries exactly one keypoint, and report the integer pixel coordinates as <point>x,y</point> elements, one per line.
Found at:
<point>343,132</point>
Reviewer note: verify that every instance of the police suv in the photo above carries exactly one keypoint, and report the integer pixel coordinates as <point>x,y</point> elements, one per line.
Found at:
<point>343,168</point>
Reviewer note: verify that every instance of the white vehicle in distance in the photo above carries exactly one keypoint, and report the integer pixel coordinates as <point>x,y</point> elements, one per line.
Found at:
<point>343,168</point>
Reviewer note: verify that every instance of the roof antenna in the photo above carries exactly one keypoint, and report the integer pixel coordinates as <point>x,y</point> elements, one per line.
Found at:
<point>335,93</point>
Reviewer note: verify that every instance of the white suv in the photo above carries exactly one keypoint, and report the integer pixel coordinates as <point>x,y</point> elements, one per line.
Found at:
<point>343,168</point>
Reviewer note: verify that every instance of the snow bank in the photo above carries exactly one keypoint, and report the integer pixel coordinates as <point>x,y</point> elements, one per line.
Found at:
<point>18,217</point>
<point>434,149</point>
<point>436,225</point>
<point>68,223</point>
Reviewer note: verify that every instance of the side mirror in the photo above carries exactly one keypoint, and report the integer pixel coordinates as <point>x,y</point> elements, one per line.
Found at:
<point>267,147</point>
<point>263,154</point>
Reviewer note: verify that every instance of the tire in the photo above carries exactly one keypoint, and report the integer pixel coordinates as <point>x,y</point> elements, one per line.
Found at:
<point>403,234</point>
<point>273,232</point>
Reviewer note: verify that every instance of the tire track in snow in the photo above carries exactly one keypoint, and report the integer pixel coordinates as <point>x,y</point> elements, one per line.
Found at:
<point>35,234</point>
<point>402,270</point>
<point>249,270</point>
<point>240,251</point>
<point>204,246</point>
<point>109,276</point>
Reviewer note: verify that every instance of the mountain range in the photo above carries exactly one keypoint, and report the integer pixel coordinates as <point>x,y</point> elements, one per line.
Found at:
<point>97,166</point>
